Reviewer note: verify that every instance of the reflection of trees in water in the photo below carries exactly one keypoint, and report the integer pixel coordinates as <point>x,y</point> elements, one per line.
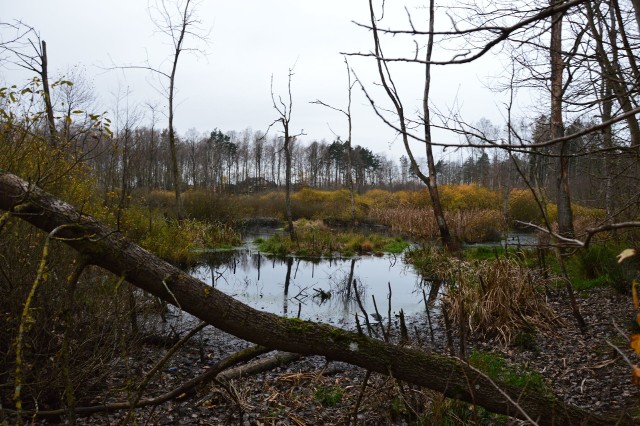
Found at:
<point>304,286</point>
<point>256,262</point>
<point>219,263</point>
<point>287,281</point>
<point>348,288</point>
<point>430,286</point>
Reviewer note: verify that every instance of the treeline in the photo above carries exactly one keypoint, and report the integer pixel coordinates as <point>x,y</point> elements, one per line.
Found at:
<point>233,162</point>
<point>250,161</point>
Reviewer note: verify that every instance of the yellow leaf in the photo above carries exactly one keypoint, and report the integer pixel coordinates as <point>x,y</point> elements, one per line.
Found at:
<point>634,293</point>
<point>635,375</point>
<point>625,254</point>
<point>638,319</point>
<point>635,343</point>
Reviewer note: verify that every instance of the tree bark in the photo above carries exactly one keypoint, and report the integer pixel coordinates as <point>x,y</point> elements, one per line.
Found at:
<point>110,250</point>
<point>287,179</point>
<point>44,75</point>
<point>563,197</point>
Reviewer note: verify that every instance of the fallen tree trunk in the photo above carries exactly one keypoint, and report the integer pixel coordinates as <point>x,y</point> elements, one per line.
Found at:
<point>110,250</point>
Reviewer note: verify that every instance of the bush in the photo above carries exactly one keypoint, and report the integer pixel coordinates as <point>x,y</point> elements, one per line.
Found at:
<point>209,206</point>
<point>523,208</point>
<point>468,197</point>
<point>334,205</point>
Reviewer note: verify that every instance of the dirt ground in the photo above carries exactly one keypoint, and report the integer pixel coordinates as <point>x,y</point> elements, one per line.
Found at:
<point>581,369</point>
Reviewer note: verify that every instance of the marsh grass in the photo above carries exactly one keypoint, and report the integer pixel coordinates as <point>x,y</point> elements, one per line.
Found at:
<point>497,298</point>
<point>182,243</point>
<point>593,268</point>
<point>469,226</point>
<point>314,239</point>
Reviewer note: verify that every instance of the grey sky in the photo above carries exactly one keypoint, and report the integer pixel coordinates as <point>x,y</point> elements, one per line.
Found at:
<point>249,41</point>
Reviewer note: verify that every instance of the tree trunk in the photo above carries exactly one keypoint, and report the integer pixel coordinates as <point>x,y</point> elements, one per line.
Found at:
<point>636,9</point>
<point>110,250</point>
<point>44,75</point>
<point>175,170</point>
<point>287,181</point>
<point>563,197</point>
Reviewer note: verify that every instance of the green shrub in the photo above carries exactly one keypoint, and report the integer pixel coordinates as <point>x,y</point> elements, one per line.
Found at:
<point>597,266</point>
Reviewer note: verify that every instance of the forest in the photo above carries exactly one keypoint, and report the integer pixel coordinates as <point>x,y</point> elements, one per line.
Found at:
<point>120,237</point>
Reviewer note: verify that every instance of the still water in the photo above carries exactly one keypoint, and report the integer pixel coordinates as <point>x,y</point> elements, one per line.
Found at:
<point>319,289</point>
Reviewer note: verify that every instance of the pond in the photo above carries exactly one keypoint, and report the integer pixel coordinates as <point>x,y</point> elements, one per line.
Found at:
<point>315,289</point>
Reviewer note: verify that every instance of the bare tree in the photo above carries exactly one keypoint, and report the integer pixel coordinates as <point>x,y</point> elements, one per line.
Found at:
<point>284,111</point>
<point>177,31</point>
<point>178,21</point>
<point>27,38</point>
<point>430,179</point>
<point>75,102</point>
<point>347,114</point>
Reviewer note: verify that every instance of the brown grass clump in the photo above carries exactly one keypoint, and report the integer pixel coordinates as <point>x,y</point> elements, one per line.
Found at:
<point>418,222</point>
<point>497,298</point>
<point>476,225</point>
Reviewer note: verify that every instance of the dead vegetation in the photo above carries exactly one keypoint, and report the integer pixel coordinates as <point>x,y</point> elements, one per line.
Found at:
<point>498,298</point>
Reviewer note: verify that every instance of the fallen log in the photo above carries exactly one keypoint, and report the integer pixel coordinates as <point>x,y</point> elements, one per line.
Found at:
<point>110,250</point>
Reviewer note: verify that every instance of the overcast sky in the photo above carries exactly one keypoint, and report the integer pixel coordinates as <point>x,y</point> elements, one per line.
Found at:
<point>249,42</point>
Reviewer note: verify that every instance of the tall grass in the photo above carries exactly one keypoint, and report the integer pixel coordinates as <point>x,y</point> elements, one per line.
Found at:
<point>470,226</point>
<point>493,298</point>
<point>497,298</point>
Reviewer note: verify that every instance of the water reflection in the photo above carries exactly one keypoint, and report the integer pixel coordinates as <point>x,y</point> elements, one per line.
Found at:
<point>324,290</point>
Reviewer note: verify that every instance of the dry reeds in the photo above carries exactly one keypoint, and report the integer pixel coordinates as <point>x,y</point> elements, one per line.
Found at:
<point>496,298</point>
<point>472,226</point>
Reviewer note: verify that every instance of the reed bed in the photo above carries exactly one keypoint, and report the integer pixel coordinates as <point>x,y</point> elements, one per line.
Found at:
<point>498,298</point>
